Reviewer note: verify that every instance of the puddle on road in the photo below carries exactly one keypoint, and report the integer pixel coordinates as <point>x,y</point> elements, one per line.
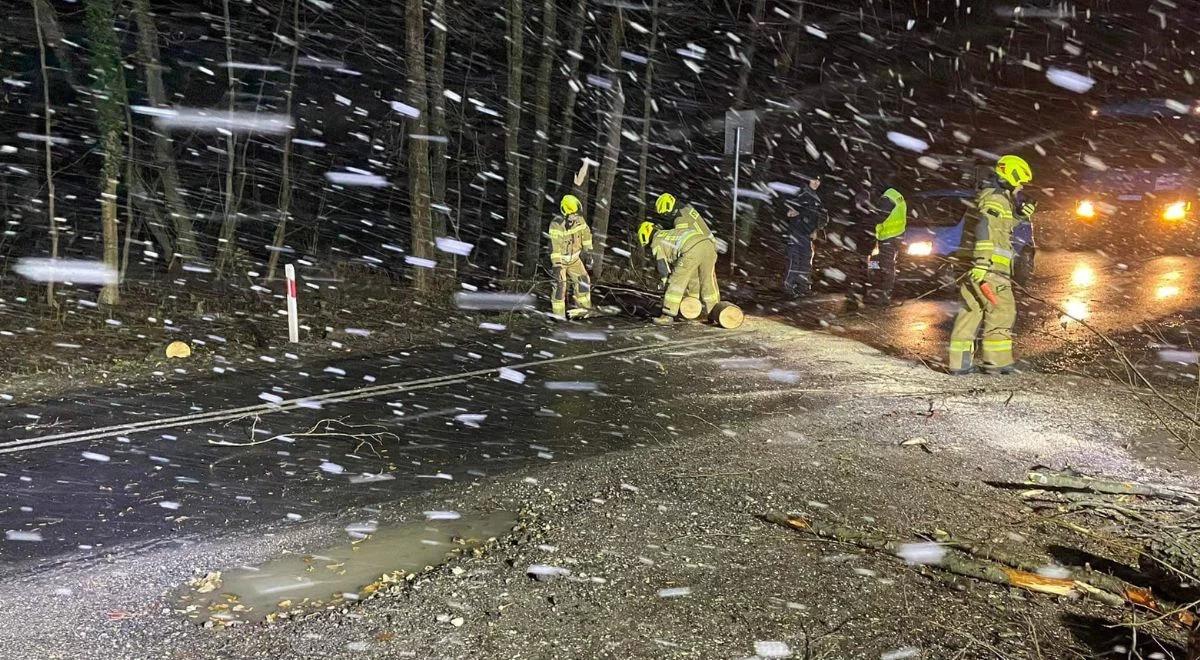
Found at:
<point>333,577</point>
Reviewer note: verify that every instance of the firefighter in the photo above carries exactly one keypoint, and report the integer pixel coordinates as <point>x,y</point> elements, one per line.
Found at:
<point>686,216</point>
<point>805,217</point>
<point>987,295</point>
<point>683,255</point>
<point>570,257</point>
<point>883,241</point>
<point>888,235</point>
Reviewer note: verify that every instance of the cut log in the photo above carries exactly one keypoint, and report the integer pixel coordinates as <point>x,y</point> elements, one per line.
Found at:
<point>691,309</point>
<point>727,315</point>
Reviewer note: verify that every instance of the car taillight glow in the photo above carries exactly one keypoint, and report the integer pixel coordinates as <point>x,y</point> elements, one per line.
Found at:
<point>1086,209</point>
<point>920,249</point>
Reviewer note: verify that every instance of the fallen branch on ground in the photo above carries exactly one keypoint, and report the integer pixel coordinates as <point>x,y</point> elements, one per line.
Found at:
<point>989,566</point>
<point>326,428</point>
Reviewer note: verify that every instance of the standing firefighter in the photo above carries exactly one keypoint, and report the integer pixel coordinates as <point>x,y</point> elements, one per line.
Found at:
<point>685,256</point>
<point>881,240</point>
<point>887,237</point>
<point>987,290</point>
<point>570,247</point>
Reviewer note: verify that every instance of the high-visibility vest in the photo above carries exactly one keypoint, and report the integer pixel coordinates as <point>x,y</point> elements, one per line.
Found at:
<point>897,220</point>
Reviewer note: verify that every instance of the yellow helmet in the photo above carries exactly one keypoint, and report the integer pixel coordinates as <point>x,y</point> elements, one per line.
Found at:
<point>569,204</point>
<point>645,232</point>
<point>665,203</point>
<point>1014,170</point>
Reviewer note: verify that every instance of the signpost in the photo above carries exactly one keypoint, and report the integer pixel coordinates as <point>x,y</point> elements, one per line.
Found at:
<point>739,139</point>
<point>293,316</point>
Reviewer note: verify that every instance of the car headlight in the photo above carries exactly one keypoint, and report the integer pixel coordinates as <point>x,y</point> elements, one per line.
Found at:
<point>1176,211</point>
<point>920,249</point>
<point>1086,209</point>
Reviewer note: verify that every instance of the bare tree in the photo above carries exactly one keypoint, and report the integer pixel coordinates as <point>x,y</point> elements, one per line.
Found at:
<point>418,150</point>
<point>285,177</point>
<point>108,80</point>
<point>181,215</point>
<point>437,115</point>
<point>47,111</point>
<point>515,18</point>
<point>227,242</point>
<point>756,19</point>
<point>47,24</point>
<point>578,18</point>
<point>647,112</point>
<point>541,138</point>
<point>612,148</point>
<point>791,46</point>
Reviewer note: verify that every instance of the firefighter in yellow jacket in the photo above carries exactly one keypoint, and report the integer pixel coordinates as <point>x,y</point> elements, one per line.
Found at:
<point>682,218</point>
<point>570,250</point>
<point>987,294</point>
<point>683,255</point>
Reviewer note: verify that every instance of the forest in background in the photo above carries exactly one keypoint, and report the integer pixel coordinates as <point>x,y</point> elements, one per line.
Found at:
<point>431,139</point>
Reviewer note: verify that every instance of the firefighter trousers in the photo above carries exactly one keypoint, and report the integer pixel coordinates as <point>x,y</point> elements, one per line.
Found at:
<point>696,267</point>
<point>996,343</point>
<point>576,276</point>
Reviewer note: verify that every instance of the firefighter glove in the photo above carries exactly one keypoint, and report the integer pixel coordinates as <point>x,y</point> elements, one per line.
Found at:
<point>978,273</point>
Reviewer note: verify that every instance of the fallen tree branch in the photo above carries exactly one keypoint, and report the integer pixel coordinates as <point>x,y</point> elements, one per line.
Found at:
<point>1089,584</point>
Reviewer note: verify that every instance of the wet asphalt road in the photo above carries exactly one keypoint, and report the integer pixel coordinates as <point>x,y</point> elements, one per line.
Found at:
<point>1149,305</point>
<point>172,485</point>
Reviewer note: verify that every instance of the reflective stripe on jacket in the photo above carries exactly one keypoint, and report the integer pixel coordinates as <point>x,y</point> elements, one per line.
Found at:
<point>897,221</point>
<point>570,237</point>
<point>688,216</point>
<point>670,244</point>
<point>993,247</point>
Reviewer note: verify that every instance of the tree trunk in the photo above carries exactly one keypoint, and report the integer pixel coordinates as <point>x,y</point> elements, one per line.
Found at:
<point>791,48</point>
<point>285,178</point>
<point>612,147</point>
<point>533,230</point>
<point>418,150</point>
<point>181,215</point>
<point>53,224</point>
<point>437,117</point>
<point>227,242</point>
<point>573,86</point>
<point>108,80</point>
<point>639,252</point>
<point>512,140</point>
<point>756,19</point>
<point>130,160</point>
<point>47,25</point>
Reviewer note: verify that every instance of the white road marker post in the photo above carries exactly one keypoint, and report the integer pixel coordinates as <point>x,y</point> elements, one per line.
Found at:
<point>293,315</point>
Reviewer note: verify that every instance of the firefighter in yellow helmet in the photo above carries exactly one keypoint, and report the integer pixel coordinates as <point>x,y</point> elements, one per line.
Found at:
<point>680,217</point>
<point>683,255</point>
<point>570,253</point>
<point>987,294</point>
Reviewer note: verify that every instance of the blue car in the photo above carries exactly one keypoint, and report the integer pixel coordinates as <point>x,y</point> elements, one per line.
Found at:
<point>932,252</point>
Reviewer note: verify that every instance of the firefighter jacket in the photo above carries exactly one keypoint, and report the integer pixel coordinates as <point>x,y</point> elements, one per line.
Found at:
<point>669,245</point>
<point>570,237</point>
<point>993,249</point>
<point>688,216</point>
<point>897,219</point>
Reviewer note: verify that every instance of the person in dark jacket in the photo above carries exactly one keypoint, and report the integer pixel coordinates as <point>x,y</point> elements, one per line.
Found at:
<point>805,216</point>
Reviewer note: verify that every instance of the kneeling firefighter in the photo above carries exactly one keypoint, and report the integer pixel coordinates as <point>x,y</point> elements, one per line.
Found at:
<point>683,255</point>
<point>987,293</point>
<point>570,257</point>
